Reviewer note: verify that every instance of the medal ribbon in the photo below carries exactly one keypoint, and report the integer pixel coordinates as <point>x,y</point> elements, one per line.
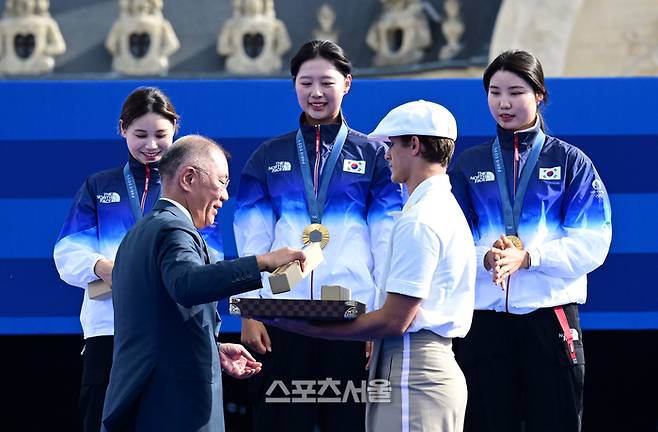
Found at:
<point>512,214</point>
<point>316,202</point>
<point>133,195</point>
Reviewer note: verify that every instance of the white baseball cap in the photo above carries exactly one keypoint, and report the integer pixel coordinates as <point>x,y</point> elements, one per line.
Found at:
<point>417,118</point>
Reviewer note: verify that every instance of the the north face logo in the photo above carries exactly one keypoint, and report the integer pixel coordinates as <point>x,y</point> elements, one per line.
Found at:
<point>483,176</point>
<point>280,166</point>
<point>108,198</point>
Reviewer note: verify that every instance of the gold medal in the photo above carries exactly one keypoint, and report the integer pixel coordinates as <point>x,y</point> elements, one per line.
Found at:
<point>316,233</point>
<point>515,241</point>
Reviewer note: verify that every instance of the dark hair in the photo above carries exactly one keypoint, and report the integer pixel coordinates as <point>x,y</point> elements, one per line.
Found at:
<point>523,64</point>
<point>189,149</point>
<point>433,149</point>
<point>328,50</point>
<point>144,100</point>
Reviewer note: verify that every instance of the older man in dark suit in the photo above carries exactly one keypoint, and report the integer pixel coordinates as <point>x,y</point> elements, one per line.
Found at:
<point>166,374</point>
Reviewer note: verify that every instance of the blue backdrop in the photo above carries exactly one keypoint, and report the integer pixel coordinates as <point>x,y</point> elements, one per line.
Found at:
<point>55,133</point>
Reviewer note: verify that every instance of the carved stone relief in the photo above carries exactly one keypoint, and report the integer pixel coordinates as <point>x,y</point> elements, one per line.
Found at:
<point>29,38</point>
<point>253,39</point>
<point>141,39</point>
<point>452,28</point>
<point>401,34</point>
<point>326,19</point>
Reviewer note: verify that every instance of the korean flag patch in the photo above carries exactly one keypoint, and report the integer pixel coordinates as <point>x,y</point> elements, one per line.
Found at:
<point>354,166</point>
<point>554,173</point>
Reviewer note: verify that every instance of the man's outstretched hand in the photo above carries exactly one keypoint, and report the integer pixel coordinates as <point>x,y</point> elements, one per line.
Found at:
<point>237,362</point>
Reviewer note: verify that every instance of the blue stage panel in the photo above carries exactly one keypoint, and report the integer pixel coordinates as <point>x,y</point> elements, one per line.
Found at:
<point>58,132</point>
<point>625,283</point>
<point>67,110</point>
<point>31,227</point>
<point>33,325</point>
<point>35,223</point>
<point>619,320</point>
<point>32,287</point>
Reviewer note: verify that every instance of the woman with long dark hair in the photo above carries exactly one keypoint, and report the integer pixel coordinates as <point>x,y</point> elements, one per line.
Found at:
<point>327,183</point>
<point>540,217</point>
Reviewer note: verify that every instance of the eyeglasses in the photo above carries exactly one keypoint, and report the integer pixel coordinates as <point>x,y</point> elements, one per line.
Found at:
<point>224,183</point>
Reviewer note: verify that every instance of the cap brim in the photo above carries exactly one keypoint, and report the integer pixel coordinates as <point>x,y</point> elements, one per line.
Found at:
<point>382,134</point>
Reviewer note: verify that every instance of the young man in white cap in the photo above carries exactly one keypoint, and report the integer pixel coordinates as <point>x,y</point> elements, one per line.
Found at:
<point>429,282</point>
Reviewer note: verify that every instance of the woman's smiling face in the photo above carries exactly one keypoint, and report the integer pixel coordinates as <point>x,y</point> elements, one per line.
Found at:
<point>320,88</point>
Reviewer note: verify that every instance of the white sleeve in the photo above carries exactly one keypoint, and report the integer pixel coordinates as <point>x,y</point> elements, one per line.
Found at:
<point>415,254</point>
<point>77,250</point>
<point>577,253</point>
<point>75,258</point>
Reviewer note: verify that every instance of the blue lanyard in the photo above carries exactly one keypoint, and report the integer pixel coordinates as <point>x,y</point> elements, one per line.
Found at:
<point>511,215</point>
<point>316,203</point>
<point>133,195</point>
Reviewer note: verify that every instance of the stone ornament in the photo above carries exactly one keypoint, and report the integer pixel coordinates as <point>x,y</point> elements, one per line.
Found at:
<point>253,39</point>
<point>326,18</point>
<point>141,39</point>
<point>452,28</point>
<point>401,34</point>
<point>29,38</point>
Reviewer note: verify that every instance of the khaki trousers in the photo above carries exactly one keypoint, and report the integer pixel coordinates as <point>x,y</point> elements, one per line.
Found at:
<point>428,389</point>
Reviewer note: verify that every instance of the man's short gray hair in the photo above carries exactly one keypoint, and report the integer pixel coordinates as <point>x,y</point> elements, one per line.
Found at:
<point>187,150</point>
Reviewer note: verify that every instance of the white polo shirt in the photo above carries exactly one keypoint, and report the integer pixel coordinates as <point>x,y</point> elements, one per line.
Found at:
<point>432,256</point>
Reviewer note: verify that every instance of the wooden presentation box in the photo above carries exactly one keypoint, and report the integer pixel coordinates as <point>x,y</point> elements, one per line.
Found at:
<point>284,278</point>
<point>98,290</point>
<point>316,310</point>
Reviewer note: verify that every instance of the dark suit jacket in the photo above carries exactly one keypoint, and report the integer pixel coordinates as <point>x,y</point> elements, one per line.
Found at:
<point>166,374</point>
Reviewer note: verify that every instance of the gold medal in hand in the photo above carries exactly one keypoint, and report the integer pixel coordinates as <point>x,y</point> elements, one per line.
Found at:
<point>515,241</point>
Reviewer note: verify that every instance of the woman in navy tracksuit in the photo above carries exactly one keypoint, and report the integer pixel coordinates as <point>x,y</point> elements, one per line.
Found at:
<point>106,206</point>
<point>540,217</point>
<point>273,208</point>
